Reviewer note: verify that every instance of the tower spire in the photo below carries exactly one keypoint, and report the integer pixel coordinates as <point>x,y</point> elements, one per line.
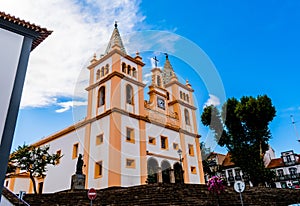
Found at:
<point>115,41</point>
<point>168,72</point>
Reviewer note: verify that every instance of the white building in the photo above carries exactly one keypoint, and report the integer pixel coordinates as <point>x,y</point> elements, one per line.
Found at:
<point>125,139</point>
<point>287,169</point>
<point>232,173</point>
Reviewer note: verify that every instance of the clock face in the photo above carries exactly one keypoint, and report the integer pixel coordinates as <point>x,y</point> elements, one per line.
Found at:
<point>161,103</point>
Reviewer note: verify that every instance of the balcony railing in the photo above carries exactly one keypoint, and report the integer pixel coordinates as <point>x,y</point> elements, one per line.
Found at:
<point>287,177</point>
<point>230,179</point>
<point>290,163</point>
<point>238,177</point>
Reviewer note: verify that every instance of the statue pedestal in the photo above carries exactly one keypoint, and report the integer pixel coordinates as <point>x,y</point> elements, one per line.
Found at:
<point>78,182</point>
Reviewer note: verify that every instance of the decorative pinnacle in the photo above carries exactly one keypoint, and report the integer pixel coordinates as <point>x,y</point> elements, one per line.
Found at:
<point>116,24</point>
<point>167,56</point>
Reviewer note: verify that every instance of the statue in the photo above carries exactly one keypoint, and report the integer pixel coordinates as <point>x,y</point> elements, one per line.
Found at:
<point>78,179</point>
<point>79,165</point>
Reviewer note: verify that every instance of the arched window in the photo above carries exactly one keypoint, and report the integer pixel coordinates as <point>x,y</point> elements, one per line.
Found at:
<point>123,67</point>
<point>129,94</point>
<point>101,96</point>
<point>187,117</point>
<point>187,98</point>
<point>180,94</point>
<point>158,81</point>
<point>129,69</point>
<point>102,71</point>
<point>184,95</point>
<point>134,72</point>
<point>106,69</point>
<point>98,74</point>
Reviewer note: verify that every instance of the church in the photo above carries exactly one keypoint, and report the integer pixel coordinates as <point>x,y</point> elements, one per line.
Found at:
<point>124,139</point>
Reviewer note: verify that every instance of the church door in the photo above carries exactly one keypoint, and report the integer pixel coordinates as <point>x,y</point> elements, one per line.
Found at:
<point>152,166</point>
<point>178,173</point>
<point>165,167</point>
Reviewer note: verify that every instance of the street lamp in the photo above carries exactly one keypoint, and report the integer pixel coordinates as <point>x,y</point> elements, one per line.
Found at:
<point>179,151</point>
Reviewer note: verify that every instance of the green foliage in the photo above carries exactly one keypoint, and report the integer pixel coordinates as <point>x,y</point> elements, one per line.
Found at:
<point>33,160</point>
<point>242,126</point>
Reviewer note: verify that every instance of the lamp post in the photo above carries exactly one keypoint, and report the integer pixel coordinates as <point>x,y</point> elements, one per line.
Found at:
<point>179,151</point>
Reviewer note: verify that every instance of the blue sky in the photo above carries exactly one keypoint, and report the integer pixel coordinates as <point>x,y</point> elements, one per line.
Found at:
<point>254,46</point>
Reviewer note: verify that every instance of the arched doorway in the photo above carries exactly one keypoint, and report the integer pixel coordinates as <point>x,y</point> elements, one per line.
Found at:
<point>178,173</point>
<point>165,167</point>
<point>152,166</point>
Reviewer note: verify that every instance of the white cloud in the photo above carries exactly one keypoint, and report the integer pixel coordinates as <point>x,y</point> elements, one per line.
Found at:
<point>80,29</point>
<point>147,78</point>
<point>212,100</point>
<point>69,104</point>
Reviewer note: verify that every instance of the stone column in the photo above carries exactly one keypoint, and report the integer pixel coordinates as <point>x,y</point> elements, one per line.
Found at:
<point>172,176</point>
<point>159,175</point>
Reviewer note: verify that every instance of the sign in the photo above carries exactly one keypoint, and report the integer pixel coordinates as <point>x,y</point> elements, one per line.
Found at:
<point>92,194</point>
<point>239,186</point>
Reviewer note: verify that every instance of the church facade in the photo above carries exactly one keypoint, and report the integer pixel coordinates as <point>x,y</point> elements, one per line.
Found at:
<point>124,139</point>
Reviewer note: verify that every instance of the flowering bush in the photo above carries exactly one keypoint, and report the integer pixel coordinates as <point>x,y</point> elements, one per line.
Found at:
<point>215,185</point>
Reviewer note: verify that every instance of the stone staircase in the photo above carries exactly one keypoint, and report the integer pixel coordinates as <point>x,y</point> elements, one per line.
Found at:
<point>167,194</point>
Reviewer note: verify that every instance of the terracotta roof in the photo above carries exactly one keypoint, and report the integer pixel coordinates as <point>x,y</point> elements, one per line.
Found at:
<point>43,32</point>
<point>227,161</point>
<point>275,163</point>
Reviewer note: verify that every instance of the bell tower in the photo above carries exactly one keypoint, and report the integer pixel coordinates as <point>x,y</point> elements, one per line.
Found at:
<point>115,79</point>
<point>115,94</point>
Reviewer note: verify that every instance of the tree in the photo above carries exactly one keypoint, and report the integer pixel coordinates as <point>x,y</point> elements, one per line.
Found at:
<point>34,160</point>
<point>242,126</point>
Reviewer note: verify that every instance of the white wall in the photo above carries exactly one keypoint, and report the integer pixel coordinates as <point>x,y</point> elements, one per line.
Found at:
<point>59,176</point>
<point>130,176</point>
<point>21,184</point>
<point>5,202</point>
<point>10,50</point>
<point>99,153</point>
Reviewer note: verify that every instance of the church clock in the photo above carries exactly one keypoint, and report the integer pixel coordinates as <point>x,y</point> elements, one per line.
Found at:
<point>161,103</point>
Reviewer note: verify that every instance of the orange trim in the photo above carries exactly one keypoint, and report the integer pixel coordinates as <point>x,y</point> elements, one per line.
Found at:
<point>114,74</point>
<point>113,52</point>
<point>182,103</point>
<point>55,136</point>
<point>115,93</point>
<point>114,153</point>
<point>12,182</point>
<point>130,163</point>
<point>173,83</point>
<point>143,148</point>
<point>132,135</point>
<point>184,156</point>
<point>199,159</point>
<point>166,139</point>
<point>86,153</point>
<point>193,170</point>
<point>162,156</point>
<point>108,112</point>
<point>116,63</point>
<point>30,189</point>
<point>98,171</point>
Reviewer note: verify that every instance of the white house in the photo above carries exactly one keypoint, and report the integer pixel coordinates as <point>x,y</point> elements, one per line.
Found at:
<point>287,169</point>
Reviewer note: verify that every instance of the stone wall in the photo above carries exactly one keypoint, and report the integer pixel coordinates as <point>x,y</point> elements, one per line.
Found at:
<point>167,194</point>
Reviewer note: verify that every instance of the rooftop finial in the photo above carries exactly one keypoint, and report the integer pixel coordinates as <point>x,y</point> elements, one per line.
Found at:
<point>116,24</point>
<point>167,56</point>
